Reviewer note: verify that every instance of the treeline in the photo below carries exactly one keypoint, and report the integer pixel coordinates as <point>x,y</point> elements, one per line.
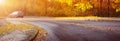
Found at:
<point>66,8</point>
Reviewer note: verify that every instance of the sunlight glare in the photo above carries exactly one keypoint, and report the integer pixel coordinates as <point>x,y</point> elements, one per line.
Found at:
<point>1,1</point>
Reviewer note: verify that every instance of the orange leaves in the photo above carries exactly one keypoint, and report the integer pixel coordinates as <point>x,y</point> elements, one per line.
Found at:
<point>69,2</point>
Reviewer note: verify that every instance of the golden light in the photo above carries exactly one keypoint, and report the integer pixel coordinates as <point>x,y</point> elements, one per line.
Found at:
<point>1,1</point>
<point>49,0</point>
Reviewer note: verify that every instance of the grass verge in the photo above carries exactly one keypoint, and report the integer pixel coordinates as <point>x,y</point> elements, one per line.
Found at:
<point>9,27</point>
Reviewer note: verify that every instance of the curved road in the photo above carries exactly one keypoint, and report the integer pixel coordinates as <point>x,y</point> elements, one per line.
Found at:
<point>77,30</point>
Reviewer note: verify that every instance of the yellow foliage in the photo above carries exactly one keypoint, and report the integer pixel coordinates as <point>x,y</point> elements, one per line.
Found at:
<point>69,2</point>
<point>117,10</point>
<point>83,6</point>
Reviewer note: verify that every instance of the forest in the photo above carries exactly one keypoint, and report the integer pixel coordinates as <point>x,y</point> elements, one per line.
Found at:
<point>62,8</point>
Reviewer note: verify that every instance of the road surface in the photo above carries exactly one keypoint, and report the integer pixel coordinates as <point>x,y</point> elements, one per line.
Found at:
<point>79,30</point>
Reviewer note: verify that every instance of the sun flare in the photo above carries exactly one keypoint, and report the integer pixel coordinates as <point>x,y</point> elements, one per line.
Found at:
<point>1,1</point>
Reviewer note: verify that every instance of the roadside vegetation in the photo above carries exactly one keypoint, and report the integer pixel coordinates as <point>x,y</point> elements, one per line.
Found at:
<point>63,8</point>
<point>11,27</point>
<point>31,31</point>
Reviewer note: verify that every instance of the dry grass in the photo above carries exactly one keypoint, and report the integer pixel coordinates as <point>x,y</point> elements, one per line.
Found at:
<point>41,35</point>
<point>11,27</point>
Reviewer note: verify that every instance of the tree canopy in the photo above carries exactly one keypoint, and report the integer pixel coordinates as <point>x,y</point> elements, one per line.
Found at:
<point>57,8</point>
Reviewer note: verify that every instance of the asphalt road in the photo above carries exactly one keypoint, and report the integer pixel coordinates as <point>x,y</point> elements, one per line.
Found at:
<point>79,30</point>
